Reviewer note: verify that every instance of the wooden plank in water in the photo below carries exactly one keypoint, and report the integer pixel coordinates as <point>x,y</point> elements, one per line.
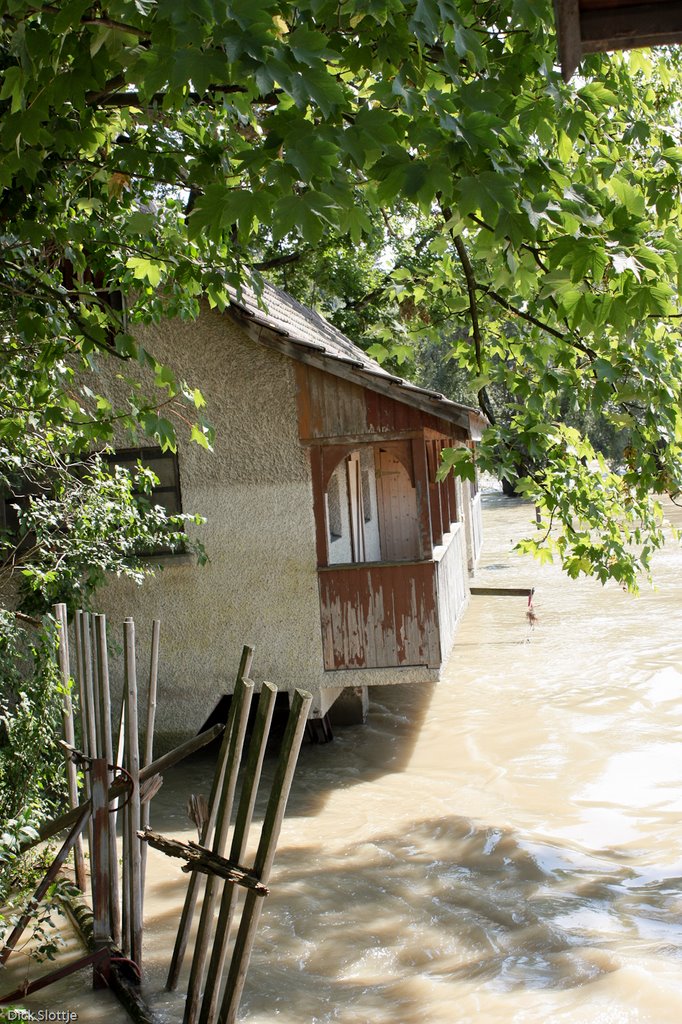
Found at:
<point>501,591</point>
<point>200,859</point>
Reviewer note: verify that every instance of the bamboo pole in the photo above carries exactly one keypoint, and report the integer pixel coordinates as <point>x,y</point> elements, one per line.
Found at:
<point>87,688</point>
<point>149,736</point>
<point>79,626</point>
<point>96,704</point>
<point>105,704</point>
<point>265,854</point>
<point>69,736</point>
<point>241,701</point>
<point>132,808</point>
<point>252,774</point>
<point>205,835</point>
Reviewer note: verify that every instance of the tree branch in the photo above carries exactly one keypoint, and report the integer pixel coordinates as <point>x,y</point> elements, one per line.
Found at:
<point>568,339</point>
<point>483,397</point>
<point>110,96</point>
<point>282,261</point>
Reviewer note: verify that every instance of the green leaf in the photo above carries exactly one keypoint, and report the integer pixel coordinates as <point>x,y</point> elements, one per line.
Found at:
<point>146,269</point>
<point>13,87</point>
<point>632,200</point>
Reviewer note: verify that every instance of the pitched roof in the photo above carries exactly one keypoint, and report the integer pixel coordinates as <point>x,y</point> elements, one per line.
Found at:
<point>303,330</point>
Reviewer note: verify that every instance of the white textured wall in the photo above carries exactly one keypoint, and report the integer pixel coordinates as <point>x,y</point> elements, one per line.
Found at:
<point>260,586</point>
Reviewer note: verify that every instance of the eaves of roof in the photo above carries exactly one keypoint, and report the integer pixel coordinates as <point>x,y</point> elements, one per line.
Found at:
<point>281,323</point>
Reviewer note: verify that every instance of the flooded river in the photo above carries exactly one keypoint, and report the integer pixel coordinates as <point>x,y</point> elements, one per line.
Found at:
<point>503,847</point>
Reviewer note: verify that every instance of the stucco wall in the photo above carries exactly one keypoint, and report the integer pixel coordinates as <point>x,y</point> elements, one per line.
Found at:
<point>260,586</point>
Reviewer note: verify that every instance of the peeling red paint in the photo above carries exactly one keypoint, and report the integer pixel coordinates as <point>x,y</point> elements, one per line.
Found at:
<point>380,616</point>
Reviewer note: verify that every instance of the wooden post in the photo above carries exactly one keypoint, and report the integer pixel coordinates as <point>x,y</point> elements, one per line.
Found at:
<point>69,736</point>
<point>265,854</point>
<point>107,753</point>
<point>421,483</point>
<point>252,774</point>
<point>101,865</point>
<point>151,693</point>
<point>79,626</point>
<point>241,701</point>
<point>96,704</point>
<point>132,759</point>
<point>207,831</point>
<point>149,735</point>
<point>87,688</point>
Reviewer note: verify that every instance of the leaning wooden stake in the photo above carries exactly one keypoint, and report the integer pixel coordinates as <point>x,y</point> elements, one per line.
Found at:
<point>252,774</point>
<point>45,884</point>
<point>69,736</point>
<point>205,834</point>
<point>266,854</point>
<point>133,865</point>
<point>241,702</point>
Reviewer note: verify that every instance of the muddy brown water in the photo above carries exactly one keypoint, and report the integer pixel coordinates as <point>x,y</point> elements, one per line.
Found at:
<point>503,847</point>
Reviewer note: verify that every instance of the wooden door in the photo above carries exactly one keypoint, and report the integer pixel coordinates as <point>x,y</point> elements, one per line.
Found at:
<point>397,507</point>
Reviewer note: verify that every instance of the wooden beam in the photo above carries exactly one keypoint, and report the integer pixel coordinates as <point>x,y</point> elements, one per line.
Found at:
<point>622,28</point>
<point>206,861</point>
<point>317,475</point>
<point>421,483</point>
<point>567,13</point>
<point>48,879</point>
<point>354,440</point>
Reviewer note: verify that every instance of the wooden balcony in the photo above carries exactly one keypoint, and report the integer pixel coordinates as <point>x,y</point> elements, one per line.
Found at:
<point>379,615</point>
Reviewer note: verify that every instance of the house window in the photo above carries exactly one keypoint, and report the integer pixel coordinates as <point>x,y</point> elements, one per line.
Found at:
<point>18,498</point>
<point>164,465</point>
<point>166,492</point>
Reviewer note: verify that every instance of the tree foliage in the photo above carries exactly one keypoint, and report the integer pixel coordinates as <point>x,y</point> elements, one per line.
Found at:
<point>169,150</point>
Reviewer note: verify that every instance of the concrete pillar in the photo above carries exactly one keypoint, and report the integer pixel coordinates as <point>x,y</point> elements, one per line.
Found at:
<point>350,708</point>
